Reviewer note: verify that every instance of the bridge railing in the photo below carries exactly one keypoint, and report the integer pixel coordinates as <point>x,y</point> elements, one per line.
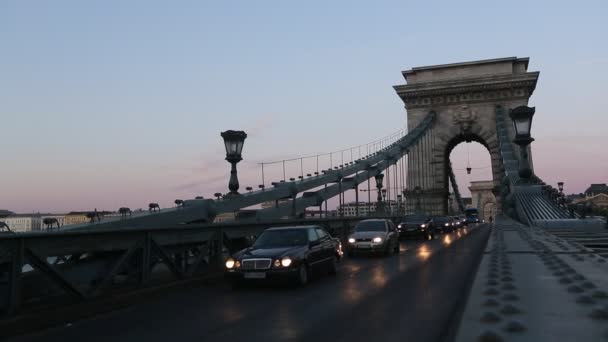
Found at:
<point>452,177</point>
<point>526,196</point>
<point>40,270</point>
<point>313,190</point>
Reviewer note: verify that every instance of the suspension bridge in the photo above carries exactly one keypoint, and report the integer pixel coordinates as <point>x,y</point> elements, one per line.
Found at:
<point>530,275</point>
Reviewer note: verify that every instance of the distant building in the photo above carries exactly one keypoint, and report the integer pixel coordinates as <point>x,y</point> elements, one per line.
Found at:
<point>78,217</point>
<point>575,197</point>
<point>23,222</point>
<point>366,209</point>
<point>223,217</point>
<point>599,201</point>
<point>596,189</point>
<point>273,204</point>
<point>312,213</point>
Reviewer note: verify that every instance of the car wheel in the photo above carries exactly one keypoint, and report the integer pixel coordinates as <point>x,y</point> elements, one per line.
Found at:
<point>333,266</point>
<point>303,274</point>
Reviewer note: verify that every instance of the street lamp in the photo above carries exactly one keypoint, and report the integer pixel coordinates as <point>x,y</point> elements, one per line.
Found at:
<point>233,141</point>
<point>522,122</point>
<point>379,177</point>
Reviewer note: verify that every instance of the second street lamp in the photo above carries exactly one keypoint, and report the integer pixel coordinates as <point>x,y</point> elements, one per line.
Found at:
<point>233,141</point>
<point>522,122</point>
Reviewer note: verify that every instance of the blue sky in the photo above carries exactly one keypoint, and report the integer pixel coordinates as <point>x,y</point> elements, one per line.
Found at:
<point>112,103</point>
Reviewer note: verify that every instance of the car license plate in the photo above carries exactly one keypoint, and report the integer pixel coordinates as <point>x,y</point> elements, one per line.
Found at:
<point>364,245</point>
<point>255,275</point>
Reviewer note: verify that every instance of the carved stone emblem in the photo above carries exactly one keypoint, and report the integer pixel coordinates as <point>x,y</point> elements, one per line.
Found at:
<point>464,117</point>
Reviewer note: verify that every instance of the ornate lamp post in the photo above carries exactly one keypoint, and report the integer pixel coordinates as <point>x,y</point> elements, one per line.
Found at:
<point>522,122</point>
<point>562,196</point>
<point>233,141</point>
<point>379,177</point>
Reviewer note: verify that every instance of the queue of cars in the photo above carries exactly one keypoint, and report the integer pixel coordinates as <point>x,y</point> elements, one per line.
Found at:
<point>295,253</point>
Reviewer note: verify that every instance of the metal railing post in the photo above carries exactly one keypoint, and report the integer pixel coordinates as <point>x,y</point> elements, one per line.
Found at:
<point>216,250</point>
<point>145,260</point>
<point>14,281</point>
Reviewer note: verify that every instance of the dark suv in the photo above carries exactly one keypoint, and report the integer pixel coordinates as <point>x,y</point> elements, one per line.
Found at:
<point>417,226</point>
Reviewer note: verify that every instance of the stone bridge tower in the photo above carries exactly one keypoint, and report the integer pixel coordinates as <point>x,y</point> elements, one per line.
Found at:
<point>465,97</point>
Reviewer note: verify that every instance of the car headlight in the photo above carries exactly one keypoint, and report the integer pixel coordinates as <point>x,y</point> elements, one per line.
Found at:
<point>399,226</point>
<point>447,224</point>
<point>286,261</point>
<point>277,263</point>
<point>229,263</point>
<point>351,240</point>
<point>377,240</point>
<point>423,225</point>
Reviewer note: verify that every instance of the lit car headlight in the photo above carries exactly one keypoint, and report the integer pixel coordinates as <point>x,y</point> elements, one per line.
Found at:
<point>351,240</point>
<point>277,263</point>
<point>229,263</point>
<point>377,240</point>
<point>423,225</point>
<point>286,261</point>
<point>399,226</point>
<point>447,224</point>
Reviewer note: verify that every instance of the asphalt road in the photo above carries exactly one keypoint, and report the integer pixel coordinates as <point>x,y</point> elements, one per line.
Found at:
<point>413,296</point>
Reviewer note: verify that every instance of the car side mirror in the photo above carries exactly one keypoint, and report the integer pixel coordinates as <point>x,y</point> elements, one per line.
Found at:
<point>311,244</point>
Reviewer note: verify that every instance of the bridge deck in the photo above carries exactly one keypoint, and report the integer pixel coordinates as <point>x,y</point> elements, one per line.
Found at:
<point>414,295</point>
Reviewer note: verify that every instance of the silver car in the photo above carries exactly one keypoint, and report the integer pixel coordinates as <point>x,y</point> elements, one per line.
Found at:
<point>377,235</point>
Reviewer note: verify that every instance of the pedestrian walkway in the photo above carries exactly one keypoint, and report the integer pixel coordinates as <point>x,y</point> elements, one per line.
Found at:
<point>535,286</point>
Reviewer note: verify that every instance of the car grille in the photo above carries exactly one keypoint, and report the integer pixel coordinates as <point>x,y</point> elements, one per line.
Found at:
<point>256,264</point>
<point>410,226</point>
<point>364,240</point>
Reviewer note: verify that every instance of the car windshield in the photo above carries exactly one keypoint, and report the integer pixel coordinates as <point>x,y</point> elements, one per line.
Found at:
<point>415,218</point>
<point>282,238</point>
<point>370,226</point>
<point>441,219</point>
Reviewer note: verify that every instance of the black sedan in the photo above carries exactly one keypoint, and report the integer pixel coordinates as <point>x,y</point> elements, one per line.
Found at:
<point>417,226</point>
<point>289,252</point>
